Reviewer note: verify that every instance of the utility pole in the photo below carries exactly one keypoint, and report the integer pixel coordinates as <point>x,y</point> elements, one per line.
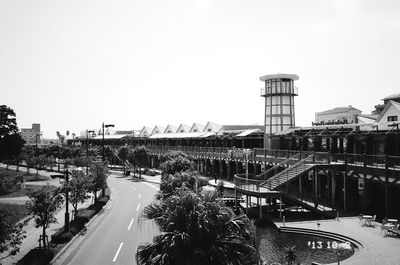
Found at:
<point>87,150</point>
<point>66,226</point>
<point>102,141</point>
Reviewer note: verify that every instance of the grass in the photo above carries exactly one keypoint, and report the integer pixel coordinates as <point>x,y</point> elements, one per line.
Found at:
<point>17,212</point>
<point>23,191</point>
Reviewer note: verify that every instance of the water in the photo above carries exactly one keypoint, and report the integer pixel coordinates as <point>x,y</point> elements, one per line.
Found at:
<point>307,249</point>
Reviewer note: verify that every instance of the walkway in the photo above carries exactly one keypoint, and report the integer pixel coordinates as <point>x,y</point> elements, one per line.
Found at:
<point>377,248</point>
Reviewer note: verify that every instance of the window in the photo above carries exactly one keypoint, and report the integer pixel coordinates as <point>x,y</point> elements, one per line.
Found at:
<point>392,118</point>
<point>195,130</point>
<point>209,130</point>
<point>181,131</point>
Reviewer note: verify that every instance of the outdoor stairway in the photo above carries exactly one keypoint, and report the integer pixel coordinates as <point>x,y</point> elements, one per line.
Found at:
<point>289,173</point>
<point>125,163</point>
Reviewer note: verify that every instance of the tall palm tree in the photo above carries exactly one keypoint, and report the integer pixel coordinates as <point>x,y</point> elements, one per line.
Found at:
<point>197,229</point>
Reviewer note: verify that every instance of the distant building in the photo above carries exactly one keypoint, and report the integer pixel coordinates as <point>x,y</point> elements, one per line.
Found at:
<point>340,115</point>
<point>31,135</point>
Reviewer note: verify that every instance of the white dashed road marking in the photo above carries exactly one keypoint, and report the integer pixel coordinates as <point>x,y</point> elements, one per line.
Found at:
<point>138,206</point>
<point>116,254</point>
<point>151,185</point>
<point>130,224</point>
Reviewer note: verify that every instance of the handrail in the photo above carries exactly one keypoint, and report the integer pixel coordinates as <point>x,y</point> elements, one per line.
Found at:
<point>274,178</point>
<point>278,165</point>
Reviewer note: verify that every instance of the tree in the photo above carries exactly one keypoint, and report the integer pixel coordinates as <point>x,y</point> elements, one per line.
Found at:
<point>188,179</point>
<point>98,177</point>
<point>176,163</point>
<point>290,255</point>
<point>197,229</point>
<point>140,157</point>
<point>8,122</point>
<point>11,146</point>
<point>42,207</point>
<point>123,154</point>
<point>11,234</point>
<point>77,187</point>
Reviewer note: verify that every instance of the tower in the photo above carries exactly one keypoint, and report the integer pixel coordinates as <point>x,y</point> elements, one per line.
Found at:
<point>279,92</point>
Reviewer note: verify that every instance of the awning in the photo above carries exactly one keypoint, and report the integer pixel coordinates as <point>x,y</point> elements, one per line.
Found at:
<point>247,132</point>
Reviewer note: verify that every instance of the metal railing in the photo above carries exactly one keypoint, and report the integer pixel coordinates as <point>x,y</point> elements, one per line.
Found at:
<point>289,173</point>
<point>274,155</point>
<point>248,184</point>
<point>290,161</point>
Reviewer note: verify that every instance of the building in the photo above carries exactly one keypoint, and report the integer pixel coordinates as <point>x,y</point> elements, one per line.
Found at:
<point>339,115</point>
<point>279,92</point>
<point>31,135</point>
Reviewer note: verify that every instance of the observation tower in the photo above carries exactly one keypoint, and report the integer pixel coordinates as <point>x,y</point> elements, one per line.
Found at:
<point>279,92</point>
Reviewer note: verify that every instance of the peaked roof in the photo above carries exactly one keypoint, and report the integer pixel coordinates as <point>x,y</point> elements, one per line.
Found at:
<point>387,107</point>
<point>183,127</point>
<point>170,128</point>
<point>198,126</point>
<point>145,131</point>
<point>338,110</point>
<point>159,128</point>
<point>213,126</point>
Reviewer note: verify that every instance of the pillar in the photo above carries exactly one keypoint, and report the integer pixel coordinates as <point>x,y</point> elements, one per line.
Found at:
<point>315,178</point>
<point>247,204</point>
<point>344,191</point>
<point>237,167</point>
<point>260,215</point>
<point>229,175</point>
<point>333,187</point>
<point>221,171</point>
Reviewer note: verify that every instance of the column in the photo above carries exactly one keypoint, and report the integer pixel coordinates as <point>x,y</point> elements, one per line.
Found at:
<point>221,171</point>
<point>333,187</point>
<point>229,175</point>
<point>344,191</point>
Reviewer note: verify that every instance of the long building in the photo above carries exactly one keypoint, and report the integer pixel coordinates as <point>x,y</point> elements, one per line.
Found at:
<point>345,166</point>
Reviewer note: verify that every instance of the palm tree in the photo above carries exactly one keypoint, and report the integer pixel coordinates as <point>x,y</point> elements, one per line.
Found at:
<point>197,229</point>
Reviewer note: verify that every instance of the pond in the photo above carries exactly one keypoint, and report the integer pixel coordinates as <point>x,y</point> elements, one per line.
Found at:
<point>274,247</point>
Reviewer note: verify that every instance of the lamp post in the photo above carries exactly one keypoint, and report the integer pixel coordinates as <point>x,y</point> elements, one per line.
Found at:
<point>102,141</point>
<point>87,150</point>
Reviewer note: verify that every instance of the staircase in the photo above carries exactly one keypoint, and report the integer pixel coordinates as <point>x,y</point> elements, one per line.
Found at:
<point>289,173</point>
<point>125,163</point>
<point>290,161</point>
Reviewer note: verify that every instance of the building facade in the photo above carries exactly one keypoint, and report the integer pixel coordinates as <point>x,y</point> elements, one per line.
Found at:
<point>31,135</point>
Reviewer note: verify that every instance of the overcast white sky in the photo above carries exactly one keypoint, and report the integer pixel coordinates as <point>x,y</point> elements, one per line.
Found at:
<point>70,65</point>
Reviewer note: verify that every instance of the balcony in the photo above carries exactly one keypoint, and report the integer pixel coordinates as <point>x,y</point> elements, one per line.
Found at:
<point>293,91</point>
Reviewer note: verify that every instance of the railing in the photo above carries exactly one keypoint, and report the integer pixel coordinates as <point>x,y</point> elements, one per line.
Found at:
<point>272,155</point>
<point>289,173</point>
<point>248,184</point>
<point>290,161</point>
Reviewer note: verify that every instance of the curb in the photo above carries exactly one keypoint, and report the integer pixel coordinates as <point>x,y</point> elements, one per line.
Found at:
<point>75,238</point>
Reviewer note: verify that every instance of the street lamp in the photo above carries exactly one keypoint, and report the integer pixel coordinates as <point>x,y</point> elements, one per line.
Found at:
<point>102,141</point>
<point>87,150</point>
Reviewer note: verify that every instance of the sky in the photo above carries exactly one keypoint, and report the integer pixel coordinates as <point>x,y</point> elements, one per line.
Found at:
<point>71,65</point>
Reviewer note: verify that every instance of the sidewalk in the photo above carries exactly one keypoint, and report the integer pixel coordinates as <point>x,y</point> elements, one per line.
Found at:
<point>32,233</point>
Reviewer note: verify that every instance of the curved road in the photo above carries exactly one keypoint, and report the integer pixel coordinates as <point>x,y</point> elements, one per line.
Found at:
<point>113,237</point>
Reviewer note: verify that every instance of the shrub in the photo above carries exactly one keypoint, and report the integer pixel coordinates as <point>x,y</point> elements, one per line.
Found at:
<point>37,257</point>
<point>61,237</point>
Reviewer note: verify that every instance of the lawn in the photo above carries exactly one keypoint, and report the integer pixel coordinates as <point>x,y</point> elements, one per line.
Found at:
<point>23,191</point>
<point>17,212</point>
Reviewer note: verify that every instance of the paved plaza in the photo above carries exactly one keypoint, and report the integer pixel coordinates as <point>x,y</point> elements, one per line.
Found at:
<point>378,249</point>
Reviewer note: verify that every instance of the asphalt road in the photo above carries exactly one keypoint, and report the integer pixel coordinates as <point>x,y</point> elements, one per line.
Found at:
<point>113,237</point>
